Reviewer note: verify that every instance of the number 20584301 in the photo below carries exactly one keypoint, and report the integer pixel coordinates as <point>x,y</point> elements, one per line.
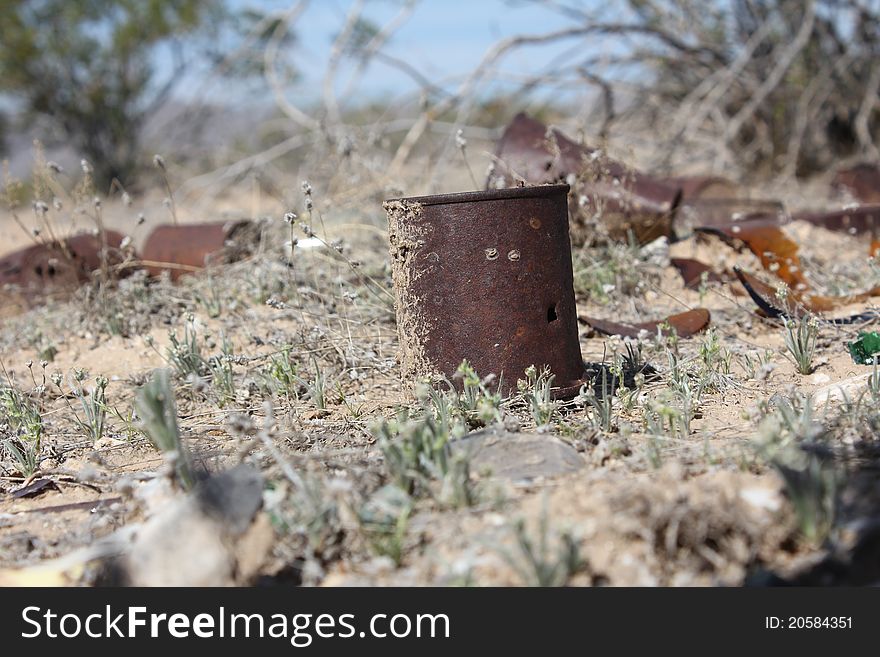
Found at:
<point>808,622</point>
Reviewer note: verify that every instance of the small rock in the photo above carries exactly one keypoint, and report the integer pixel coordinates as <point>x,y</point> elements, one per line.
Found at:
<point>518,456</point>
<point>214,536</point>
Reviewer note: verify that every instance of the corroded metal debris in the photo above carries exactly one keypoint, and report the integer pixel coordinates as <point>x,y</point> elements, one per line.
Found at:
<point>861,182</point>
<point>860,220</point>
<point>623,199</point>
<point>789,303</point>
<point>685,324</point>
<point>777,252</point>
<point>486,276</point>
<point>697,213</point>
<point>55,269</point>
<point>694,272</point>
<point>183,249</point>
<point>703,187</point>
<point>59,267</point>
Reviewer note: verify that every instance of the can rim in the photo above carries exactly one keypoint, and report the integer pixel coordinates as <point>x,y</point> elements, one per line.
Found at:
<point>533,191</point>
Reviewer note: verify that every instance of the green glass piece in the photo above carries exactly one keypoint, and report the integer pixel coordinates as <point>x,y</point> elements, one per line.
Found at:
<point>863,349</point>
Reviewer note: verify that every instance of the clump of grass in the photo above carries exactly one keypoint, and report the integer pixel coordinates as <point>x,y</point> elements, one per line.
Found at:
<point>94,407</point>
<point>22,429</point>
<point>544,560</point>
<point>281,374</point>
<point>222,375</point>
<point>283,377</point>
<point>599,409</point>
<point>185,355</point>
<point>210,297</point>
<point>800,340</point>
<point>613,270</point>
<point>537,390</point>
<point>417,453</point>
<point>757,366</point>
<point>155,406</point>
<point>795,445</point>
<point>812,483</point>
<point>384,520</point>
<point>315,387</point>
<point>474,405</point>
<point>316,514</point>
<point>667,415</point>
<point>714,362</point>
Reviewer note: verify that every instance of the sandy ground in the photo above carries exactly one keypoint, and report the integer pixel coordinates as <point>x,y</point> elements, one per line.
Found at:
<point>642,509</point>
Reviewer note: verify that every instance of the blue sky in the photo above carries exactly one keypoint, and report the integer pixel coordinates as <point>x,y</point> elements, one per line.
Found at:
<point>444,39</point>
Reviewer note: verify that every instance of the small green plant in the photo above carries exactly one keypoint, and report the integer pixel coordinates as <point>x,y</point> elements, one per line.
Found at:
<point>417,453</point>
<point>757,365</point>
<point>795,445</point>
<point>811,482</point>
<point>800,340</point>
<point>185,355</point>
<point>155,406</point>
<point>281,375</point>
<point>537,389</point>
<point>654,449</point>
<point>222,375</point>
<point>714,362</point>
<point>615,269</point>
<point>94,407</point>
<point>599,408</point>
<point>678,376</point>
<point>668,414</point>
<point>92,402</point>
<point>472,406</point>
<point>315,387</point>
<point>22,438</point>
<point>545,561</point>
<point>129,424</point>
<point>209,297</point>
<point>384,520</point>
<point>314,511</point>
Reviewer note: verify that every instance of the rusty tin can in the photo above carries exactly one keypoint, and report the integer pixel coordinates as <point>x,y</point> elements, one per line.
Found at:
<point>43,269</point>
<point>188,248</point>
<point>486,276</point>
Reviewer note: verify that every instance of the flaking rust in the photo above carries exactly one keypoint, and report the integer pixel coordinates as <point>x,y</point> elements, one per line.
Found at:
<point>486,276</point>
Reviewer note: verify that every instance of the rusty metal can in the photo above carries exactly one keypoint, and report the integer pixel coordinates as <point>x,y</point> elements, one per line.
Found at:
<point>188,248</point>
<point>57,268</point>
<point>486,276</point>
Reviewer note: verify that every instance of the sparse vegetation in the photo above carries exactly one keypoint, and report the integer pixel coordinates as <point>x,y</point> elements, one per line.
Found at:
<point>23,430</point>
<point>685,459</point>
<point>158,417</point>
<point>800,340</point>
<point>543,558</point>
